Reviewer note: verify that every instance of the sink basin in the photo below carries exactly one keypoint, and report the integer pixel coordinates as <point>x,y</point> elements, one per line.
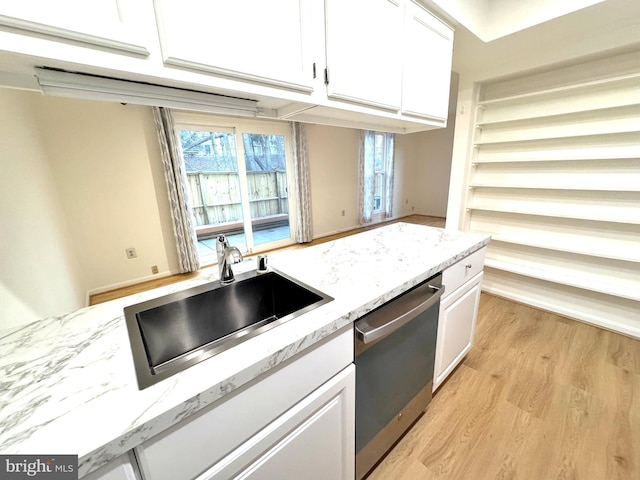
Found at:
<point>170,333</point>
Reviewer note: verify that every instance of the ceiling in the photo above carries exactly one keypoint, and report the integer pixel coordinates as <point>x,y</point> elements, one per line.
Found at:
<point>518,37</point>
<point>493,19</point>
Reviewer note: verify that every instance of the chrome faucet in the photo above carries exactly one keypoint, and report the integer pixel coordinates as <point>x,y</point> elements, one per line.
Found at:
<point>227,256</point>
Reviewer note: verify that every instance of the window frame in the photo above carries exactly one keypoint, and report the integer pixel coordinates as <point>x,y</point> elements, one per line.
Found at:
<point>210,123</point>
<point>379,174</point>
<point>380,214</point>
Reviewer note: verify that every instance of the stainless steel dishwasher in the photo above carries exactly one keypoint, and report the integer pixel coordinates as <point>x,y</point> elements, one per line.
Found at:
<point>394,355</point>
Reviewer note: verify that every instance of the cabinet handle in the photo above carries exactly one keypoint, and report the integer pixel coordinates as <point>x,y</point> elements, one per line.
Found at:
<point>468,265</point>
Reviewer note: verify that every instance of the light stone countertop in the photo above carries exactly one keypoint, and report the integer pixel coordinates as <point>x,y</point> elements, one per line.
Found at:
<point>68,382</point>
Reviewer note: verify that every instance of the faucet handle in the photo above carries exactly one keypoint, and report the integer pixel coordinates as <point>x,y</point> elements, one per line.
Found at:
<point>262,263</point>
<point>222,241</point>
<point>221,245</point>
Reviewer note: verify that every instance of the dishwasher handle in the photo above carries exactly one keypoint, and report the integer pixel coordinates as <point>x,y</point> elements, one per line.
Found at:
<point>370,329</point>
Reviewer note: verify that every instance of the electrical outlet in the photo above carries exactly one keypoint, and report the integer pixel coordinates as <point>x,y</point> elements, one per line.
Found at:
<point>154,269</point>
<point>131,253</point>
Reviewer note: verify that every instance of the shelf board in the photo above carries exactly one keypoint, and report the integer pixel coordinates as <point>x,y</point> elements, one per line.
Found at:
<point>620,120</point>
<point>603,240</point>
<point>567,247</point>
<point>631,104</point>
<point>563,89</point>
<point>593,147</point>
<point>609,175</point>
<point>601,206</point>
<point>550,273</point>
<point>612,217</point>
<point>515,158</point>
<point>589,140</point>
<point>583,188</point>
<point>613,313</point>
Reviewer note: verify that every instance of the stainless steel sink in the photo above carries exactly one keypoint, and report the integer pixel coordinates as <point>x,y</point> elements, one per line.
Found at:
<point>170,333</point>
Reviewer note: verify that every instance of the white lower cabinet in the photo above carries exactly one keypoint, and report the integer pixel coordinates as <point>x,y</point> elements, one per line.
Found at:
<point>313,440</point>
<point>121,468</point>
<point>458,313</point>
<point>296,421</point>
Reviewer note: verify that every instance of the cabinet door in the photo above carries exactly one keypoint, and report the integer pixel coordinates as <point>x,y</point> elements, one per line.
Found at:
<point>212,440</point>
<point>314,440</point>
<point>456,326</point>
<point>363,51</point>
<point>428,52</point>
<point>121,468</point>
<point>267,42</point>
<point>102,23</point>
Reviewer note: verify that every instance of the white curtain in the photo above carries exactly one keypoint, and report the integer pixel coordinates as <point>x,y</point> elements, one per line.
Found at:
<point>304,227</point>
<point>176,178</point>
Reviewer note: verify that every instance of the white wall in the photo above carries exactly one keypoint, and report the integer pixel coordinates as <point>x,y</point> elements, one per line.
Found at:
<point>430,168</point>
<point>39,274</point>
<point>405,161</point>
<point>103,156</point>
<point>81,182</point>
<point>333,161</point>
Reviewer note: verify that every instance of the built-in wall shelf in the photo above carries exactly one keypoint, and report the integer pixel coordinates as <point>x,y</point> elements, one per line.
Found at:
<point>554,178</point>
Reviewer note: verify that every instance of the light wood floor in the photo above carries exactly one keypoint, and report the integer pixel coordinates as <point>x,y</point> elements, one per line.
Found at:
<point>538,397</point>
<point>160,282</point>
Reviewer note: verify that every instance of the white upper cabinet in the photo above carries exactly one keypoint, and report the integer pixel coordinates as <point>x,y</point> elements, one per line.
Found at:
<point>428,49</point>
<point>363,40</point>
<point>97,23</point>
<point>375,64</point>
<point>266,42</point>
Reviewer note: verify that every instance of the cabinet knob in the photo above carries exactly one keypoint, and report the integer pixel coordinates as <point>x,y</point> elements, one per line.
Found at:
<point>468,265</point>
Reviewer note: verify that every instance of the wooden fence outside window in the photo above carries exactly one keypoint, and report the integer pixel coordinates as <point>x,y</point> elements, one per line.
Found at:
<point>216,200</point>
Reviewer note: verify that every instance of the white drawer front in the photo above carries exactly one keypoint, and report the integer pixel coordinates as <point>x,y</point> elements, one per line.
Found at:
<point>194,445</point>
<point>457,274</point>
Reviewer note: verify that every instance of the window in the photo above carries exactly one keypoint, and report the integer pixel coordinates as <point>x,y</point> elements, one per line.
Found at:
<point>377,174</point>
<point>239,186</point>
<point>379,168</point>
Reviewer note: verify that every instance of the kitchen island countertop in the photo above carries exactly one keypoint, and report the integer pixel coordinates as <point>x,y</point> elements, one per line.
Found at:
<point>69,384</point>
